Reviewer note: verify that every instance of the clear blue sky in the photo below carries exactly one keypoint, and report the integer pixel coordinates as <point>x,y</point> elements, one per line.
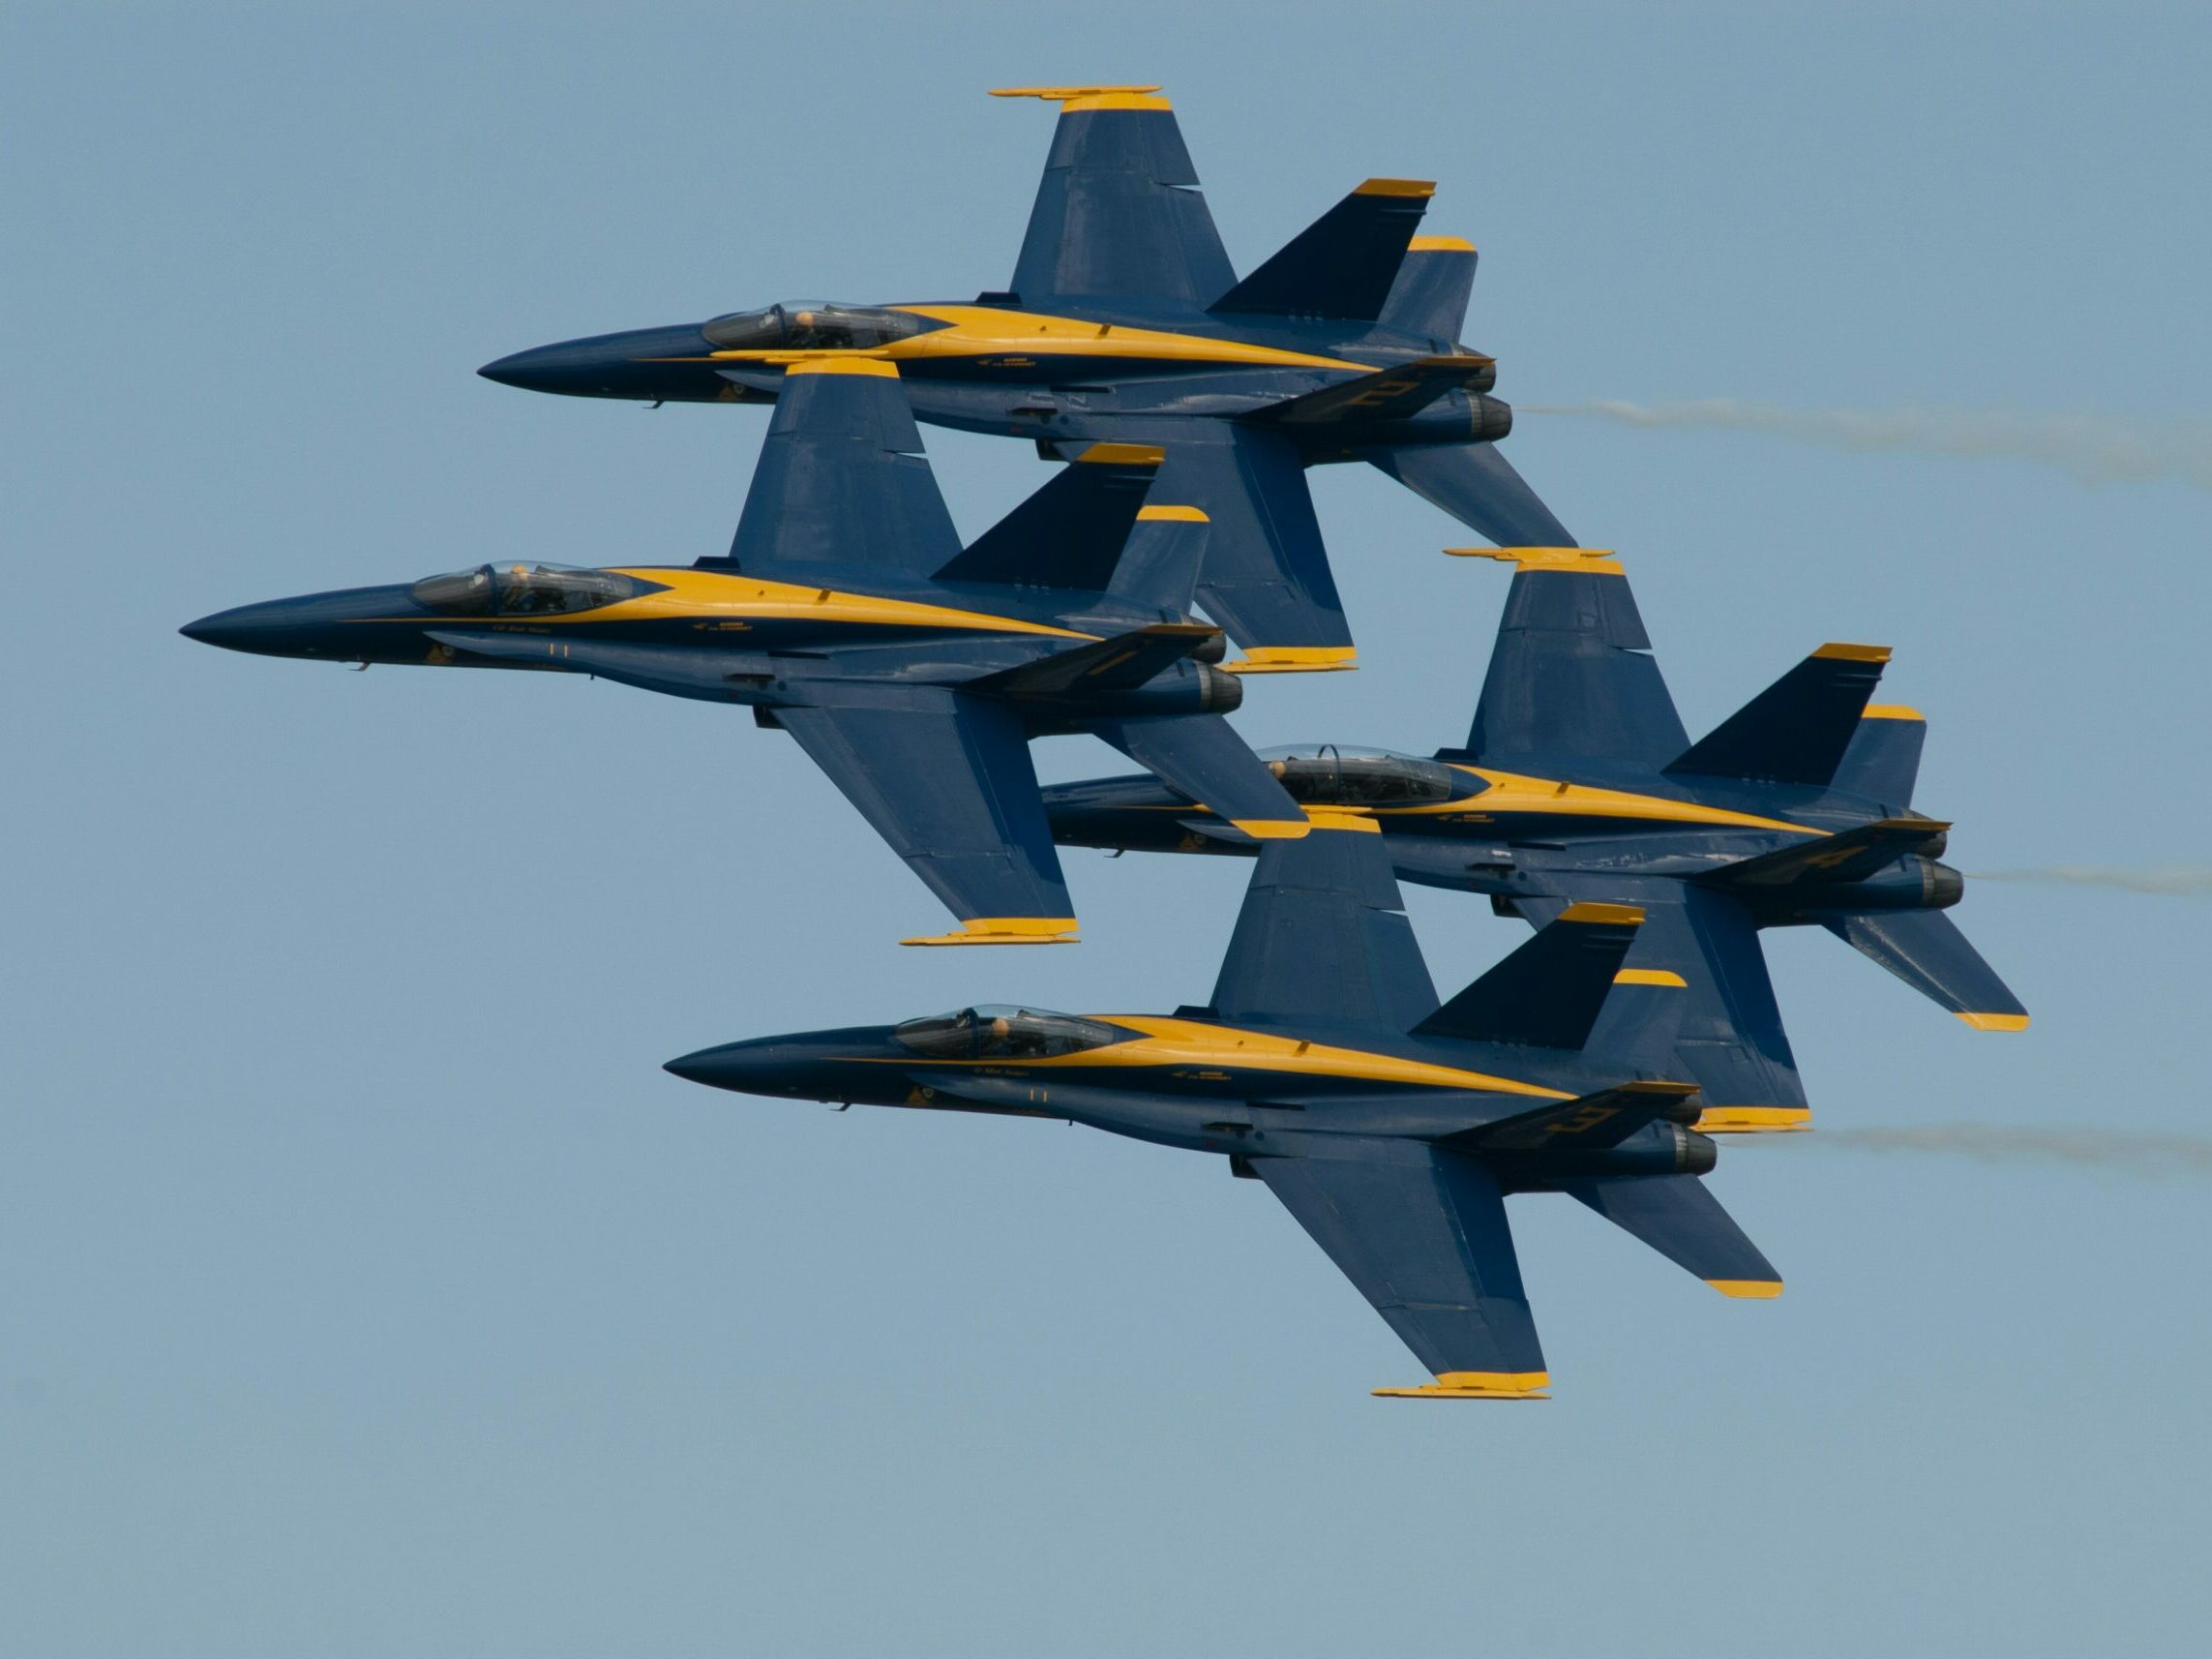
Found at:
<point>365,1287</point>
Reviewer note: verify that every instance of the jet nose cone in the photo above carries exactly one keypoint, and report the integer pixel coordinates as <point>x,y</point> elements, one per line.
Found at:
<point>264,628</point>
<point>534,370</point>
<point>731,1065</point>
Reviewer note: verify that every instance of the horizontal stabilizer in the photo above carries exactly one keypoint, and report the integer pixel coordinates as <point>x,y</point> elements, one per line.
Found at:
<point>1201,756</point>
<point>1478,487</point>
<point>1798,729</point>
<point>1883,759</point>
<point>1117,664</point>
<point>1549,992</point>
<point>1590,1122</point>
<point>1434,282</point>
<point>1069,534</point>
<point>1322,936</point>
<point>1924,948</point>
<point>841,478</point>
<point>1850,856</point>
<point>1571,676</point>
<point>1680,1218</point>
<point>1422,1233</point>
<point>1344,263</point>
<point>1118,213</point>
<point>1266,577</point>
<point>1388,394</point>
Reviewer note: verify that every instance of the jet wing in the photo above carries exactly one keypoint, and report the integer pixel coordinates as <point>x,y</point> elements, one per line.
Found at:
<point>1324,936</point>
<point>841,479</point>
<point>1265,578</point>
<point>947,780</point>
<point>1571,672</point>
<point>1118,214</point>
<point>1730,1040</point>
<point>1422,1234</point>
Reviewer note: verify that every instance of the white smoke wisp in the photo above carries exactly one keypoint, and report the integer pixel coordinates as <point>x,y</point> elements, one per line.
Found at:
<point>2116,1150</point>
<point>2168,881</point>
<point>2095,449</point>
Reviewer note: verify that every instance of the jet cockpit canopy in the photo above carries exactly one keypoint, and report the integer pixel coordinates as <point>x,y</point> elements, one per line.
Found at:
<point>801,327</point>
<point>997,1030</point>
<point>522,590</point>
<point>1353,774</point>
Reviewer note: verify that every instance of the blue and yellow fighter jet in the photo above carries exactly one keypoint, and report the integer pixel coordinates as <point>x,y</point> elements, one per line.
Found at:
<point>1578,784</point>
<point>1126,324</point>
<point>910,670</point>
<point>1393,1127</point>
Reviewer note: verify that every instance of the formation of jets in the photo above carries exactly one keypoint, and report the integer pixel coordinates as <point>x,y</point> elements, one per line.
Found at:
<point>1184,404</point>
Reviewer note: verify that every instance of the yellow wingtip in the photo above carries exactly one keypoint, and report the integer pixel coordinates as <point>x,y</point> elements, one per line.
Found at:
<point>1005,930</point>
<point>1747,1289</point>
<point>1576,560</point>
<point>1996,1021</point>
<point>1415,186</point>
<point>1475,1385</point>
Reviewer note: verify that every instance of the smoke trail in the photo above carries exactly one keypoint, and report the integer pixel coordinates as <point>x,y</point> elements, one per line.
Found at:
<point>2171,881</point>
<point>2096,449</point>
<point>2118,1151</point>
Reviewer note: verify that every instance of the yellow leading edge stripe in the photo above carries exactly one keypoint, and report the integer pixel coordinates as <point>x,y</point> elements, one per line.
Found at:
<point>1476,1385</point>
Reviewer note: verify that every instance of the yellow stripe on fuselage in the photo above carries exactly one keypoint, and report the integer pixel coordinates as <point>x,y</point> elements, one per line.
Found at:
<point>1220,1048</point>
<point>711,596</point>
<point>977,331</point>
<point>1511,792</point>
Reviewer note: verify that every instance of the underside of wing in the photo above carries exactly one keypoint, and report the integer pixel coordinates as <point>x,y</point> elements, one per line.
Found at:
<point>947,780</point>
<point>841,479</point>
<point>1117,215</point>
<point>1421,1232</point>
<point>1572,674</point>
<point>1266,577</point>
<point>1323,935</point>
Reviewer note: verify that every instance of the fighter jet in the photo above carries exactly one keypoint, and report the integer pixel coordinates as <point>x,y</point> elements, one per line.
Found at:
<point>1578,784</point>
<point>910,670</point>
<point>1126,324</point>
<point>1391,1126</point>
